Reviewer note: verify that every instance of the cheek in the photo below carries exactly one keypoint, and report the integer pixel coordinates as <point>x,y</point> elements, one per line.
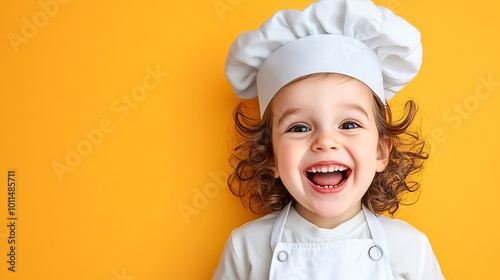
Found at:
<point>287,157</point>
<point>283,156</point>
<point>367,143</point>
<point>366,149</point>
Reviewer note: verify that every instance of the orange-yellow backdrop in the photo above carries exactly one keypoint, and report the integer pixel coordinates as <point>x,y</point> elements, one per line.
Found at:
<point>114,117</point>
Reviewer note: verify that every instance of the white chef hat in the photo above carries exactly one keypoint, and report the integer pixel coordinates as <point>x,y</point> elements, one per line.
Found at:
<point>350,37</point>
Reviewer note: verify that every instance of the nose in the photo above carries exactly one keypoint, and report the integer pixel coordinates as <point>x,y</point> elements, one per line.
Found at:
<point>326,141</point>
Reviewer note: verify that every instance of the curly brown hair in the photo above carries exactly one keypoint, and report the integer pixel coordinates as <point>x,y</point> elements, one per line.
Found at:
<point>253,160</point>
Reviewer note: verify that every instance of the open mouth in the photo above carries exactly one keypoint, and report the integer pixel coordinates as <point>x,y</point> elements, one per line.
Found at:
<point>328,177</point>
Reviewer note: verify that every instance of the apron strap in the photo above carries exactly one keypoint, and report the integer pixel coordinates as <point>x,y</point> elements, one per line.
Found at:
<point>279,226</point>
<point>378,237</point>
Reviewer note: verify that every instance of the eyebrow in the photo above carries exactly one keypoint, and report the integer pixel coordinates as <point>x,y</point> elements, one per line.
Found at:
<point>356,107</point>
<point>348,106</point>
<point>287,113</point>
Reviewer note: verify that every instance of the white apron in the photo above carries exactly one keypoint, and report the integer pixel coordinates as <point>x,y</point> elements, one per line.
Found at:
<point>339,259</point>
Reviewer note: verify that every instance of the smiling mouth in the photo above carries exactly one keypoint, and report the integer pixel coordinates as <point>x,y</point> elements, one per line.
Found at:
<point>328,177</point>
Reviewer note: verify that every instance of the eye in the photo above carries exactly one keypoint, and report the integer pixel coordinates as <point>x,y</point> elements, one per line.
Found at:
<point>349,124</point>
<point>299,128</point>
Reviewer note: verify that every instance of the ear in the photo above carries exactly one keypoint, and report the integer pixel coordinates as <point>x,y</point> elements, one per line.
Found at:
<point>274,168</point>
<point>383,153</point>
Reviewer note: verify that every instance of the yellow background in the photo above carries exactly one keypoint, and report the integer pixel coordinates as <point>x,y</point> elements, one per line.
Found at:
<point>68,68</point>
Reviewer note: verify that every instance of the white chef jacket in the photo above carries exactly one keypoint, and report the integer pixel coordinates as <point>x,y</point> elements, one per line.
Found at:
<point>247,254</point>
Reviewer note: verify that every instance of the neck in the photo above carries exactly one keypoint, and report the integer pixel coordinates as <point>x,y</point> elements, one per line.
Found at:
<point>326,222</point>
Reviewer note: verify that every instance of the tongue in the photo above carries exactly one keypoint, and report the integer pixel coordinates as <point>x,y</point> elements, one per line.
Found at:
<point>327,179</point>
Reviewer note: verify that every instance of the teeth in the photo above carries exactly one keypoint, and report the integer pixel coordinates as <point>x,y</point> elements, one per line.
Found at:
<point>326,169</point>
<point>325,187</point>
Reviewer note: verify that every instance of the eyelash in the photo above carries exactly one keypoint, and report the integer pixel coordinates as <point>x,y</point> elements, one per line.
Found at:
<point>291,129</point>
<point>356,124</point>
<point>307,128</point>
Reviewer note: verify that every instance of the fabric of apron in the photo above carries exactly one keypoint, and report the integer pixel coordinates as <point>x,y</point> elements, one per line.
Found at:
<point>339,259</point>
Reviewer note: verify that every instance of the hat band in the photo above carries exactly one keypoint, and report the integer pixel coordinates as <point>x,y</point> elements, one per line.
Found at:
<point>322,53</point>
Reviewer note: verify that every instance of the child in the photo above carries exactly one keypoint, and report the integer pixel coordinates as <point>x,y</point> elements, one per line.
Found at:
<point>326,158</point>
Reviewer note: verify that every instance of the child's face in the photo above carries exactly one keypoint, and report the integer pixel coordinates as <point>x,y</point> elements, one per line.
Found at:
<point>326,146</point>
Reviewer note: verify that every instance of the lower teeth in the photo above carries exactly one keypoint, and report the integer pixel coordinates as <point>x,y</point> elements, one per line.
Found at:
<point>330,187</point>
<point>325,187</point>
